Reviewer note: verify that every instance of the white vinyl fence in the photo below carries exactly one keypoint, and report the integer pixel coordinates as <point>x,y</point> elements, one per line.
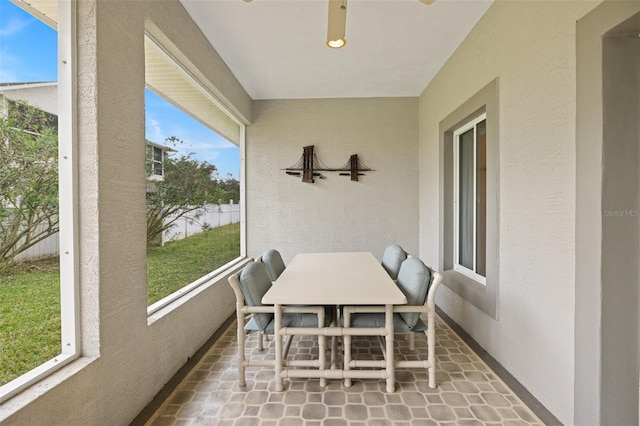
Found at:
<point>208,217</point>
<point>48,247</point>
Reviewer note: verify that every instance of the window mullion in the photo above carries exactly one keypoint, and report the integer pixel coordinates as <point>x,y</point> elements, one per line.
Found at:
<point>456,195</point>
<point>475,195</point>
<point>67,171</point>
<point>472,269</point>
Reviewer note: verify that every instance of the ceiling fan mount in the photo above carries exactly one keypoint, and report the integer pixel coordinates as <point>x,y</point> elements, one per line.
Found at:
<point>337,22</point>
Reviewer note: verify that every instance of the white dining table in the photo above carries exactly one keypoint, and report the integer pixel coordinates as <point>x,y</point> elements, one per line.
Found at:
<point>336,279</point>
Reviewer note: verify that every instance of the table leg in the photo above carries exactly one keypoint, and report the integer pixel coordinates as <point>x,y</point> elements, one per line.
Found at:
<point>322,349</point>
<point>277,325</point>
<point>346,347</point>
<point>391,372</point>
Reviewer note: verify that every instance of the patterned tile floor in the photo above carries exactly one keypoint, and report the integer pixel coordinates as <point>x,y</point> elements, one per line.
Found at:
<point>468,392</point>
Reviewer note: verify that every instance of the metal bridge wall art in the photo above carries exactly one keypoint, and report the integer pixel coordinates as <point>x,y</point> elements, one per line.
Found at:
<point>309,167</point>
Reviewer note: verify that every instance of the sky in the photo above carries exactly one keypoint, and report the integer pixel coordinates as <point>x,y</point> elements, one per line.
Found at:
<point>28,53</point>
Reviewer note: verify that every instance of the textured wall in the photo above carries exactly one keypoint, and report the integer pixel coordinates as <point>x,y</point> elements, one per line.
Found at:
<point>530,47</point>
<point>602,298</point>
<point>333,214</point>
<point>620,225</point>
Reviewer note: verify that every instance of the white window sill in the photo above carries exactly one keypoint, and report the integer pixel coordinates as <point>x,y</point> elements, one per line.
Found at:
<point>177,299</point>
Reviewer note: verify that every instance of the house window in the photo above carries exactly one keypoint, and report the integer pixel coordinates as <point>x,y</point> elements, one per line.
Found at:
<point>470,206</point>
<point>469,139</point>
<point>39,274</point>
<point>195,227</point>
<point>155,160</point>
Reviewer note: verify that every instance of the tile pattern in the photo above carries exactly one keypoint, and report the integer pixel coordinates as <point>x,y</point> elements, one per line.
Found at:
<point>468,392</point>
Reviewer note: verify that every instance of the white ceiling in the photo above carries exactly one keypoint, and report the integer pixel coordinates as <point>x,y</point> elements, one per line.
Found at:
<point>276,48</point>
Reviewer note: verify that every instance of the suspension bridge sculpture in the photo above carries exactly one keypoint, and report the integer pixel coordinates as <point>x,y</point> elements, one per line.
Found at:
<point>309,166</point>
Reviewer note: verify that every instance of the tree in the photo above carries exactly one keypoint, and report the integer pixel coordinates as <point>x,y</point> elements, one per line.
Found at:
<point>230,189</point>
<point>28,179</point>
<point>187,186</point>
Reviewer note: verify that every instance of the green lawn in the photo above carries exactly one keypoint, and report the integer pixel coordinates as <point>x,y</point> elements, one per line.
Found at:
<point>30,294</point>
<point>179,263</point>
<point>29,318</point>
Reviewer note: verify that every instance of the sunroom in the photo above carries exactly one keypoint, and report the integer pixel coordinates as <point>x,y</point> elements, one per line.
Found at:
<point>554,86</point>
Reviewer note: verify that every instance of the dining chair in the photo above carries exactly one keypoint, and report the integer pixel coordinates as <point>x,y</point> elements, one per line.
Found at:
<point>392,258</point>
<point>419,283</point>
<point>249,286</point>
<point>275,266</point>
<point>274,263</point>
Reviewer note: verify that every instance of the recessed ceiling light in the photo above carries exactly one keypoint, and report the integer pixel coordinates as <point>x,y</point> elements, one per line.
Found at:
<point>336,44</point>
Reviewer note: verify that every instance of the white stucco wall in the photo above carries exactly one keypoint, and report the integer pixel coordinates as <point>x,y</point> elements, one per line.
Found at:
<point>126,356</point>
<point>333,214</point>
<point>44,96</point>
<point>530,47</point>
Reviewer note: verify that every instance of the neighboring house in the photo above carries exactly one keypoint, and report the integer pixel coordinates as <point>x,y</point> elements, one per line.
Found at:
<point>44,96</point>
<point>155,156</point>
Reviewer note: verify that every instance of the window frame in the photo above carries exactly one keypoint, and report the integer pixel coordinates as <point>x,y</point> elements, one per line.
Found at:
<point>457,266</point>
<point>482,296</point>
<point>153,310</point>
<point>151,161</point>
<point>68,211</point>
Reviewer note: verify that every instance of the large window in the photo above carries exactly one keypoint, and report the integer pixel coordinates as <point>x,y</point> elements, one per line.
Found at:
<point>193,165</point>
<point>470,209</point>
<point>470,204</point>
<point>38,267</point>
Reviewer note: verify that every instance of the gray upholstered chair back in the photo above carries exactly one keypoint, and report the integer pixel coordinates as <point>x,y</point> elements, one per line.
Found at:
<point>254,282</point>
<point>392,258</point>
<point>274,263</point>
<point>414,279</point>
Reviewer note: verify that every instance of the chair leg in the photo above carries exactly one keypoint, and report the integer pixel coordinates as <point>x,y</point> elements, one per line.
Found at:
<point>334,349</point>
<point>412,341</point>
<point>241,356</point>
<point>334,341</point>
<point>287,345</point>
<point>383,346</point>
<point>261,335</point>
<point>322,354</point>
<point>431,351</point>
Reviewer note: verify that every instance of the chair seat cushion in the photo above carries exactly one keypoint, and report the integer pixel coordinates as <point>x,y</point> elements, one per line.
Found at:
<point>289,320</point>
<point>328,310</point>
<point>370,320</point>
<point>252,325</point>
